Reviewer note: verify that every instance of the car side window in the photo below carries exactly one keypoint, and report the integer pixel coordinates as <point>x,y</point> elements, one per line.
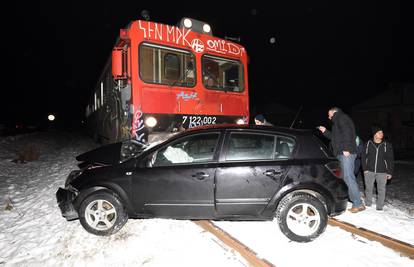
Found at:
<point>284,147</point>
<point>190,149</point>
<point>249,146</point>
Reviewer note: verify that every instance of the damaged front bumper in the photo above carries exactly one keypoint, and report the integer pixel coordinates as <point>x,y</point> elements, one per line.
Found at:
<point>65,199</point>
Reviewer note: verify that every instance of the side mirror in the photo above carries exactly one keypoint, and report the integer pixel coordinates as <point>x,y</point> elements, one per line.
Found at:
<point>118,71</point>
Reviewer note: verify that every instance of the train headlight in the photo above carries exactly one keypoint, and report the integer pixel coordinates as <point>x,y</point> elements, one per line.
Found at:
<point>240,121</point>
<point>195,26</point>
<point>150,122</point>
<point>188,23</point>
<point>206,28</point>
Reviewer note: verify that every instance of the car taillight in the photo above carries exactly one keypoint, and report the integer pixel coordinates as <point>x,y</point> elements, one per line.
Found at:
<point>335,168</point>
<point>337,173</point>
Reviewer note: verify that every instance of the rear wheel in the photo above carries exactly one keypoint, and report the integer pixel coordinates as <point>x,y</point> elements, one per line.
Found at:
<point>102,213</point>
<point>301,217</point>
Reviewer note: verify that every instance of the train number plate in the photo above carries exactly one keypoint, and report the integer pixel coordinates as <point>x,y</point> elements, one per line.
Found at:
<point>193,121</point>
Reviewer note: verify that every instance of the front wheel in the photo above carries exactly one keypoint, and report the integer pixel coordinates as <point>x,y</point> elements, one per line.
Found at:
<point>102,213</point>
<point>301,217</point>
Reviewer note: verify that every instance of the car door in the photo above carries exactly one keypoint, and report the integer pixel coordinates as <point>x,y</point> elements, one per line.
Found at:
<point>178,179</point>
<point>249,173</point>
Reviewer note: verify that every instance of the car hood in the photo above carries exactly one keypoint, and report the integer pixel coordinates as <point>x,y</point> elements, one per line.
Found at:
<point>111,154</point>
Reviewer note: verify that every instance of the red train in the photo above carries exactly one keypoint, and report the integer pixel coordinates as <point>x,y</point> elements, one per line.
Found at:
<point>162,79</point>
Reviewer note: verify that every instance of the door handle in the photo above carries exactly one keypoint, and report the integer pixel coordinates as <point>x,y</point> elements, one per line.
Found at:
<point>272,172</point>
<point>200,175</point>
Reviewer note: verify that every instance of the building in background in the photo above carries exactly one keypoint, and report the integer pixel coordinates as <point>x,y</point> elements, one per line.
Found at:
<point>393,109</point>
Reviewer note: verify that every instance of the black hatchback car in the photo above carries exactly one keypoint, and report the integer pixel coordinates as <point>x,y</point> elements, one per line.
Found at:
<point>221,172</point>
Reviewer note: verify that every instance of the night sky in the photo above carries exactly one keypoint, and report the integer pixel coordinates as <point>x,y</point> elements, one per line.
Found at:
<point>323,54</point>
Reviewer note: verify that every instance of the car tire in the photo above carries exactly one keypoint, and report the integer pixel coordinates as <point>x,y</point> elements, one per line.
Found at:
<point>301,217</point>
<point>102,213</point>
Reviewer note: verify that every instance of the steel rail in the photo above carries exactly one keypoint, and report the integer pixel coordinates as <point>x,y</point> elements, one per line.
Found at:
<point>401,247</point>
<point>252,258</point>
<point>247,253</point>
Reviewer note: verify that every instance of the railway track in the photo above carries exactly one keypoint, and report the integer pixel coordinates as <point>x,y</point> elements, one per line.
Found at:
<point>401,247</point>
<point>252,258</point>
<point>248,254</point>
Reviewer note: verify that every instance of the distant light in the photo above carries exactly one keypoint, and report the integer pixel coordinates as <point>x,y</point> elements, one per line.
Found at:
<point>51,117</point>
<point>151,122</point>
<point>240,121</point>
<point>272,40</point>
<point>206,28</point>
<point>188,23</point>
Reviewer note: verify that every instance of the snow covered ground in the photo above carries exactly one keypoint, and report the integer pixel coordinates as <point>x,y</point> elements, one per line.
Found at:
<point>33,232</point>
<point>401,187</point>
<point>335,247</point>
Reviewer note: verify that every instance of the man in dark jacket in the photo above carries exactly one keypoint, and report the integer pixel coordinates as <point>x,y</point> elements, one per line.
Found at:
<point>378,166</point>
<point>344,148</point>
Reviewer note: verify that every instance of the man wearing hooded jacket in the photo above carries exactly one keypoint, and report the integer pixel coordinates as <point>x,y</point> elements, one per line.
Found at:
<point>344,148</point>
<point>378,166</point>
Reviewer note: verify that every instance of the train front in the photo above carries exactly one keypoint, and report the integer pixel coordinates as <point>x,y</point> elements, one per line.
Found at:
<point>182,77</point>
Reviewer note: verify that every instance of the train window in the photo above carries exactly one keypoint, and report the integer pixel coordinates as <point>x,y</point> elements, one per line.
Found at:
<point>165,65</point>
<point>171,67</point>
<point>222,74</point>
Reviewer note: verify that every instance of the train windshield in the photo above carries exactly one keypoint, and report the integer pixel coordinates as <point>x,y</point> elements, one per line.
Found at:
<point>222,74</point>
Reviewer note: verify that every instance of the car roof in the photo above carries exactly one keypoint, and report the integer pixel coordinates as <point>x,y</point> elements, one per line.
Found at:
<point>270,129</point>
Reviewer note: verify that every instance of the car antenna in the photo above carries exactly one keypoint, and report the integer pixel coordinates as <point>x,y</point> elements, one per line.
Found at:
<point>296,117</point>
